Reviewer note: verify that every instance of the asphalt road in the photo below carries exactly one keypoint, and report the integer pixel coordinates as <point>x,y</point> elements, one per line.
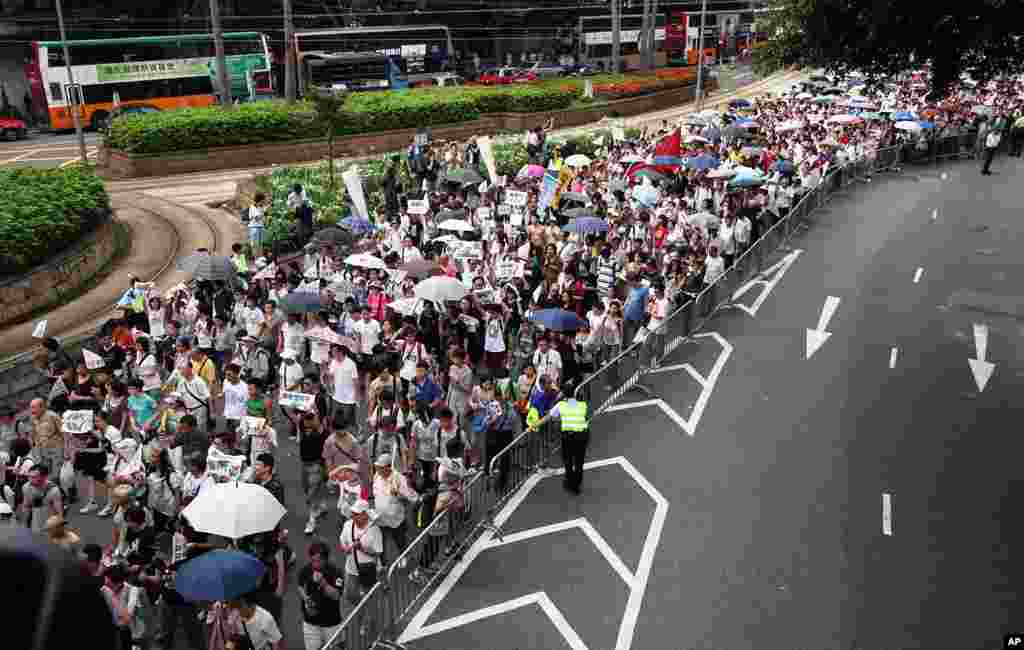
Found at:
<point>774,534</point>
<point>44,150</point>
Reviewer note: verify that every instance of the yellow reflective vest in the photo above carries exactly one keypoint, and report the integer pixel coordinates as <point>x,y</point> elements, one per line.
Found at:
<point>573,415</point>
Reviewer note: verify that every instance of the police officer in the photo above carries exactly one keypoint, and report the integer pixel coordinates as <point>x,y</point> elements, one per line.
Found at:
<point>575,435</point>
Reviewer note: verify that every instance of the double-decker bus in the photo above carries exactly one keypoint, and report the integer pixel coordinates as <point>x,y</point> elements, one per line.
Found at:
<point>594,38</point>
<point>355,71</point>
<point>421,52</point>
<point>683,36</point>
<point>164,72</point>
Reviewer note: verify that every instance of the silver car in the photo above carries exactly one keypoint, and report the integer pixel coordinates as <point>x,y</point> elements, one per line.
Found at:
<point>546,69</point>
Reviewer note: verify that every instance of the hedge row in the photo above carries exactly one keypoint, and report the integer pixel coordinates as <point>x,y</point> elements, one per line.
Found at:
<point>201,128</point>
<point>43,211</point>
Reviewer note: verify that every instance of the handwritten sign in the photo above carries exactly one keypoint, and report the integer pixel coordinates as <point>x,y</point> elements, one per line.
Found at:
<point>484,214</point>
<point>466,250</point>
<point>224,468</point>
<point>268,273</point>
<point>504,209</point>
<point>299,401</point>
<point>77,421</point>
<point>251,426</point>
<point>418,206</point>
<point>516,198</point>
<point>505,270</point>
<point>516,218</point>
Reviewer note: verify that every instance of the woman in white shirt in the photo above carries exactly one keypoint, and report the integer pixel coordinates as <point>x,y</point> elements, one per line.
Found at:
<point>725,237</point>
<point>362,541</point>
<point>146,368</point>
<point>164,487</point>
<point>714,266</point>
<point>256,215</point>
<point>292,336</point>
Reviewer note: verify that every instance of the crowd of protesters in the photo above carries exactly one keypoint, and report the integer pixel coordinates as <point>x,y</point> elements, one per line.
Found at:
<point>411,395</point>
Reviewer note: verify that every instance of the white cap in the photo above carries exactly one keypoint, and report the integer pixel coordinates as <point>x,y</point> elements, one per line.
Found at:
<point>5,509</point>
<point>360,506</point>
<point>384,460</point>
<point>289,354</point>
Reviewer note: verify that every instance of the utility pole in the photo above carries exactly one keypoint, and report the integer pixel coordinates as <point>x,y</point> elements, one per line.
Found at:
<point>289,52</point>
<point>641,41</point>
<point>218,46</point>
<point>700,54</point>
<point>616,36</point>
<point>72,88</point>
<point>651,35</point>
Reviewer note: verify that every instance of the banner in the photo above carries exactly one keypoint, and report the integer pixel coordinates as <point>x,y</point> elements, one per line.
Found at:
<point>487,155</point>
<point>224,468</point>
<point>77,421</point>
<point>461,250</point>
<point>418,206</point>
<point>516,198</point>
<point>354,185</point>
<point>299,401</point>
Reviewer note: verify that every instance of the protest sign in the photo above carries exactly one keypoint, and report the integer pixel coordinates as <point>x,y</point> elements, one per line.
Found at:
<point>418,206</point>
<point>485,296</point>
<point>354,185</point>
<point>516,218</point>
<point>504,270</point>
<point>93,361</point>
<point>516,198</point>
<point>422,137</point>
<point>300,401</point>
<point>77,421</point>
<point>268,273</point>
<point>224,468</point>
<point>483,143</point>
<point>250,426</point>
<point>461,250</point>
<point>504,209</point>
<point>484,214</point>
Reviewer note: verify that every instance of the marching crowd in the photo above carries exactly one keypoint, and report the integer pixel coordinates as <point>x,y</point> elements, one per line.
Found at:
<point>400,370</point>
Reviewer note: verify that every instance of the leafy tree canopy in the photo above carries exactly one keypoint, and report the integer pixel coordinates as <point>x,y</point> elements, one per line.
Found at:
<point>980,38</point>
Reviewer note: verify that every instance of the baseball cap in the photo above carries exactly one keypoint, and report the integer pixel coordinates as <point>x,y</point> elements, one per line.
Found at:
<point>289,354</point>
<point>360,506</point>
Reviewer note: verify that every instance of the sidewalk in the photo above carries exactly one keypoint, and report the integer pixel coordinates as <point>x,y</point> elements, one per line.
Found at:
<point>161,232</point>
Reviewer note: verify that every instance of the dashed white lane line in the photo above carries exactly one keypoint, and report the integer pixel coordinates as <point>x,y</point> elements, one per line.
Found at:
<point>917,274</point>
<point>893,353</point>
<point>886,513</point>
<point>935,214</point>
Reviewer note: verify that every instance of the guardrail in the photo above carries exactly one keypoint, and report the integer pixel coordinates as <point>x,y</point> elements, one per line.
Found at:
<point>389,604</point>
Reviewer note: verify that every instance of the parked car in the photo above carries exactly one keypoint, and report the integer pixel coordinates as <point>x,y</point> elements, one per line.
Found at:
<point>547,69</point>
<point>441,81</point>
<point>131,109</point>
<point>503,76</point>
<point>12,128</point>
<point>582,70</point>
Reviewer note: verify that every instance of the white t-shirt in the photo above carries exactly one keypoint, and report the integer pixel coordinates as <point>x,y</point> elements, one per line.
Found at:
<point>494,334</point>
<point>659,312</point>
<point>255,219</point>
<point>262,629</point>
<point>202,331</point>
<point>253,319</point>
<point>714,268</point>
<point>235,396</point>
<point>369,334</point>
<point>157,320</point>
<point>548,363</point>
<point>369,538</point>
<point>294,337</point>
<point>345,374</point>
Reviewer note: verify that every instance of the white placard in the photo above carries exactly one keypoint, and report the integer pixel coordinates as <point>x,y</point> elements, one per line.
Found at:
<point>516,198</point>
<point>92,360</point>
<point>422,138</point>
<point>483,143</point>
<point>224,468</point>
<point>504,209</point>
<point>516,218</point>
<point>588,89</point>
<point>485,296</point>
<point>354,185</point>
<point>300,401</point>
<point>484,214</point>
<point>418,206</point>
<point>251,426</point>
<point>77,421</point>
<point>462,250</point>
<point>505,270</point>
<point>40,330</point>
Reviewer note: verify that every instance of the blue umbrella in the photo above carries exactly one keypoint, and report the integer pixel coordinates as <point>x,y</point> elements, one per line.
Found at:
<point>586,225</point>
<point>903,116</point>
<point>784,166</point>
<point>219,575</point>
<point>739,103</point>
<point>358,225</point>
<point>925,124</point>
<point>646,195</point>
<point>746,181</point>
<point>299,302</point>
<point>559,320</point>
<point>702,162</point>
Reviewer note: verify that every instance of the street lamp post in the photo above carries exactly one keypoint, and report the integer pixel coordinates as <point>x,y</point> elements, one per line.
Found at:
<point>72,89</point>
<point>700,55</point>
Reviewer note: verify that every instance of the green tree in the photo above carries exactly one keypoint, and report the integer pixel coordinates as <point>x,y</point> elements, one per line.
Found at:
<point>330,115</point>
<point>880,38</point>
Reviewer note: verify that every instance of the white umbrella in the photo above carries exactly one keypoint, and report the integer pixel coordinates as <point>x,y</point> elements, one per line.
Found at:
<point>790,125</point>
<point>445,239</point>
<point>703,219</point>
<point>696,138</point>
<point>405,306</point>
<point>908,126</point>
<point>805,96</point>
<point>234,510</point>
<point>844,119</point>
<point>631,158</point>
<point>328,335</point>
<point>721,173</point>
<point>365,261</point>
<point>577,160</point>
<point>456,224</point>
<point>441,289</point>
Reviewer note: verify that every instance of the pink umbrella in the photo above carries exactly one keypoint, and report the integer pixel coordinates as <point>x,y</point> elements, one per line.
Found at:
<point>330,336</point>
<point>533,171</point>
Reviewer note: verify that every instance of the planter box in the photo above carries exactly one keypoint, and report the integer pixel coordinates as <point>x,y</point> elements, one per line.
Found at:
<point>118,164</point>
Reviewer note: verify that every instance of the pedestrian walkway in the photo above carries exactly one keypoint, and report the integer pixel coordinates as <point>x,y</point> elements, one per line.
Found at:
<point>161,231</point>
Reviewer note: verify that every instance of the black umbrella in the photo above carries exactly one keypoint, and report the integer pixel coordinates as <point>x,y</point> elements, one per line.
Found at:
<point>444,215</point>
<point>463,175</point>
<point>214,268</point>
<point>300,302</point>
<point>575,196</point>
<point>334,235</point>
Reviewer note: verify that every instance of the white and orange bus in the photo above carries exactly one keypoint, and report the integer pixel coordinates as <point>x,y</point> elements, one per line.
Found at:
<point>163,72</point>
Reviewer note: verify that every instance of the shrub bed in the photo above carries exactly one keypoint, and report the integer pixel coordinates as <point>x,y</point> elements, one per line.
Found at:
<point>43,211</point>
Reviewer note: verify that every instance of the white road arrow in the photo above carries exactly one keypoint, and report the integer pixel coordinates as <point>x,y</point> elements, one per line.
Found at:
<point>817,337</point>
<point>980,368</point>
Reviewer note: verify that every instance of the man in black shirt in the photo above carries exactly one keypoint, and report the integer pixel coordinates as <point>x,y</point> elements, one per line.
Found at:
<point>320,587</point>
<point>263,473</point>
<point>311,447</point>
<point>139,537</point>
<point>176,613</point>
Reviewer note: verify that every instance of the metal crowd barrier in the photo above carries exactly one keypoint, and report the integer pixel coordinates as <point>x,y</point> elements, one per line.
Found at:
<point>378,618</point>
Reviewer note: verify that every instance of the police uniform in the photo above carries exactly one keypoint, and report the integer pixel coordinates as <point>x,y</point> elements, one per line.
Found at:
<point>575,436</point>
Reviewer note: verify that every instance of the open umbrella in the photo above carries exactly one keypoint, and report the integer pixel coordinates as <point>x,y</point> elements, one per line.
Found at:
<point>365,261</point>
<point>302,302</point>
<point>907,125</point>
<point>445,239</point>
<point>358,225</point>
<point>457,225</point>
<point>327,335</point>
<point>824,99</point>
<point>650,173</point>
<point>441,289</point>
<point>404,306</point>
<point>702,162</point>
<point>420,268</point>
<point>696,139</point>
<point>578,213</point>
<point>805,96</point>
<point>531,171</point>
<point>203,266</point>
<point>462,175</point>
<point>234,510</point>
<point>558,320</point>
<point>746,181</point>
<point>577,160</point>
<point>739,103</point>
<point>646,195</point>
<point>844,119</point>
<point>903,116</point>
<point>219,575</point>
<point>721,173</point>
<point>631,158</point>
<point>925,124</point>
<point>333,235</point>
<point>704,219</point>
<point>586,225</point>
<point>790,125</point>
<point>578,197</point>
<point>869,115</point>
